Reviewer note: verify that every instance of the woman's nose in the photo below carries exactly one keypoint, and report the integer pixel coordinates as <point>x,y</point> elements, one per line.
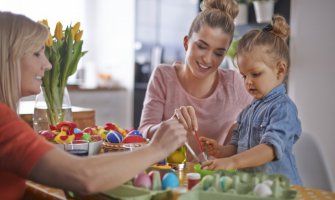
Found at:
<point>47,65</point>
<point>207,57</point>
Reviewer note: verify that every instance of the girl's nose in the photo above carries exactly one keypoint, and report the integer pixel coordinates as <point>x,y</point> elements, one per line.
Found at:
<point>248,81</point>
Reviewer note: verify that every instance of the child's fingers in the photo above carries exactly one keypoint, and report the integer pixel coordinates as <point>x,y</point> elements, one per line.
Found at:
<point>206,164</point>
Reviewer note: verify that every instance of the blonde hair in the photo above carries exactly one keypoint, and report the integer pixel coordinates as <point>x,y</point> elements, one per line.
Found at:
<point>216,13</point>
<point>18,36</point>
<point>274,37</point>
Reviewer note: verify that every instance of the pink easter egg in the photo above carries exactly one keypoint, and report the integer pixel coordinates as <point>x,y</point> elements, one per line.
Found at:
<point>142,180</point>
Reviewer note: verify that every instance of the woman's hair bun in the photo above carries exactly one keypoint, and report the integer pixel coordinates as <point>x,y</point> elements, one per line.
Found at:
<point>230,7</point>
<point>280,27</point>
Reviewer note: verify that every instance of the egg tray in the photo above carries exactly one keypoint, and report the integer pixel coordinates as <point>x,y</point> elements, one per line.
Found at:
<point>242,187</point>
<point>129,192</point>
<point>112,147</point>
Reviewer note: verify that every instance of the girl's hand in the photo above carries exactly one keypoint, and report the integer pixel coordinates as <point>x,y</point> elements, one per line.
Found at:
<point>222,163</point>
<point>211,146</point>
<point>186,116</point>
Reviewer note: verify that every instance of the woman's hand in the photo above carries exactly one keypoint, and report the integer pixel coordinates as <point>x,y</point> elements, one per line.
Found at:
<point>186,116</point>
<point>170,135</point>
<point>211,146</point>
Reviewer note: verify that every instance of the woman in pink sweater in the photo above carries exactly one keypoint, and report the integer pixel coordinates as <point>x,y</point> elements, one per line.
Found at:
<point>205,97</point>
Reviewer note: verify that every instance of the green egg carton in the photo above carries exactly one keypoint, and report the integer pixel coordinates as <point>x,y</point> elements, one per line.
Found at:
<point>240,187</point>
<point>129,192</point>
<point>207,195</point>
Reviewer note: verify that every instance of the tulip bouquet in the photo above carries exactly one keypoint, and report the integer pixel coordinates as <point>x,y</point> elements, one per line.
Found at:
<point>64,50</point>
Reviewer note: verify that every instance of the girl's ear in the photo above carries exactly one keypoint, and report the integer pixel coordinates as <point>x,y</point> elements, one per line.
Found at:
<point>185,42</point>
<point>282,69</point>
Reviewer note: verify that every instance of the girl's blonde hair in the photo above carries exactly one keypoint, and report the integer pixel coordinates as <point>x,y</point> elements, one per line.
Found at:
<point>18,36</point>
<point>274,37</point>
<point>216,13</point>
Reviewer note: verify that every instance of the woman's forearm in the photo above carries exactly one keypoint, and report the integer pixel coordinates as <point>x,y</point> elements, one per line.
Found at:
<point>152,130</point>
<point>94,174</point>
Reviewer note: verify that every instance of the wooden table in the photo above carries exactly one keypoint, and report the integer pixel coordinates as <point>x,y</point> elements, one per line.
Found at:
<point>37,191</point>
<point>83,117</point>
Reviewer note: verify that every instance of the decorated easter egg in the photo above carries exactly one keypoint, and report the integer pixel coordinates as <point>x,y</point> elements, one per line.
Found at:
<point>225,183</point>
<point>176,157</point>
<point>207,182</point>
<point>133,139</point>
<point>155,177</point>
<point>87,137</point>
<point>170,180</point>
<point>142,180</point>
<point>76,131</point>
<point>48,134</point>
<point>114,137</point>
<point>135,132</point>
<point>78,136</point>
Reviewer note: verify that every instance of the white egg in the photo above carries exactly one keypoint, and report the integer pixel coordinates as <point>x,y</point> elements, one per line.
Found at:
<point>262,190</point>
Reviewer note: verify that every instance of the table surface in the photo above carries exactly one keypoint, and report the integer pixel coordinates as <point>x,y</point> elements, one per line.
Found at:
<point>38,191</point>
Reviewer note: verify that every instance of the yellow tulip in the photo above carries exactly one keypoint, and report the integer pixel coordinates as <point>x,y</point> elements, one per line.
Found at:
<point>77,37</point>
<point>44,22</point>
<point>59,31</point>
<point>75,29</point>
<point>49,41</point>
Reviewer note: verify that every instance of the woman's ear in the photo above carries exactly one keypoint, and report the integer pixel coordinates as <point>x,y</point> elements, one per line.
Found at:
<point>185,42</point>
<point>282,69</point>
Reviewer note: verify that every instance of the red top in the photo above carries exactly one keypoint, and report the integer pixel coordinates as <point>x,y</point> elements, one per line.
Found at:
<point>20,149</point>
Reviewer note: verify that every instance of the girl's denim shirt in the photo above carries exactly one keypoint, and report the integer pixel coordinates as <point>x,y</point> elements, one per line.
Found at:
<point>272,120</point>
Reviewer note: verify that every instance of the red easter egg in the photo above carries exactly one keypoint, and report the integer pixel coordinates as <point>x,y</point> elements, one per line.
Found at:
<point>133,139</point>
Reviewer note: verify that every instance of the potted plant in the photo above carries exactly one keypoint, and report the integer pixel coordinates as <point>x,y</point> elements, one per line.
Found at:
<point>263,10</point>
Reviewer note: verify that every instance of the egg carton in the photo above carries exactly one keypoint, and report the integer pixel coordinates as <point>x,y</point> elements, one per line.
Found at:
<point>129,192</point>
<point>241,186</point>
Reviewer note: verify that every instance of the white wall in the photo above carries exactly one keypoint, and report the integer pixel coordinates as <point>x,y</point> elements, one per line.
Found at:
<point>312,75</point>
<point>108,36</point>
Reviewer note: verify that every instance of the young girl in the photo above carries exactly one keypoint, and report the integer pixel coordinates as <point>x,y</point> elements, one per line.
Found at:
<point>268,128</point>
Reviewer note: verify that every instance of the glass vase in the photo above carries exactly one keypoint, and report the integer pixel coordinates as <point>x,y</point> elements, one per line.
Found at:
<point>51,107</point>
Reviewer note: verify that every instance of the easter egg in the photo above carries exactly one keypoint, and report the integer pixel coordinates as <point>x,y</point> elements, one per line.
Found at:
<point>142,180</point>
<point>114,137</point>
<point>133,139</point>
<point>155,177</point>
<point>170,180</point>
<point>86,136</point>
<point>207,182</point>
<point>176,157</point>
<point>76,131</point>
<point>262,190</point>
<point>48,134</point>
<point>225,183</point>
<point>135,132</point>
